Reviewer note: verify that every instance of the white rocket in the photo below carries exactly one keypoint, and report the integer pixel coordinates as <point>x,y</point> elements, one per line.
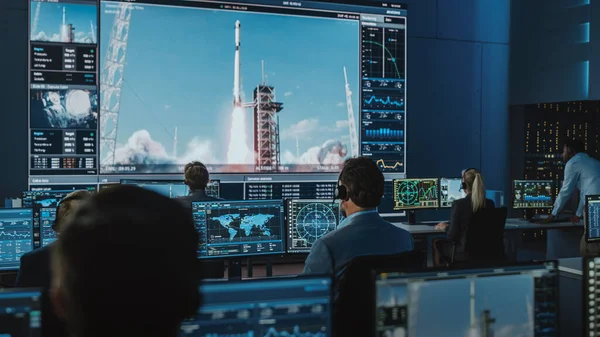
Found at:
<point>237,80</point>
<point>64,29</point>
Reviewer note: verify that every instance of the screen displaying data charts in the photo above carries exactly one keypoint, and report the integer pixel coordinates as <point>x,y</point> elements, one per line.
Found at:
<point>20,312</point>
<point>16,236</point>
<point>533,193</point>
<point>239,228</point>
<point>308,221</point>
<point>416,193</point>
<point>592,217</point>
<point>271,308</point>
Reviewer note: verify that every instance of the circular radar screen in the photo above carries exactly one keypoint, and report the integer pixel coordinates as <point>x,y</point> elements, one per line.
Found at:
<point>315,220</point>
<point>408,193</point>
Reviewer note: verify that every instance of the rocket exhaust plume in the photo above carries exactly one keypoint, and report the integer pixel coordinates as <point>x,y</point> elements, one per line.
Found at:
<point>238,151</point>
<point>237,81</point>
<point>64,29</point>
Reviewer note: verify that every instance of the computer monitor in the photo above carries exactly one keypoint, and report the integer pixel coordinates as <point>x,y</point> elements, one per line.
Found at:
<point>299,306</point>
<point>592,218</point>
<point>519,300</point>
<point>20,313</point>
<point>172,188</point>
<point>450,190</point>
<point>309,220</point>
<point>416,193</point>
<point>239,228</point>
<point>532,194</point>
<point>44,214</point>
<point>16,236</point>
<point>591,296</point>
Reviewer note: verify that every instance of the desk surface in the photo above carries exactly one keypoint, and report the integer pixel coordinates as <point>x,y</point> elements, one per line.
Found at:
<point>571,265</point>
<point>428,227</point>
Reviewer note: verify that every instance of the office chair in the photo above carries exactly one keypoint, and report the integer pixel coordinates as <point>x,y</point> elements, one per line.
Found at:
<point>354,291</point>
<point>484,237</point>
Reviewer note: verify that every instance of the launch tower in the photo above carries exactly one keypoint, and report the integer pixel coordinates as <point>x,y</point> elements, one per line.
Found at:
<point>266,126</point>
<point>487,324</point>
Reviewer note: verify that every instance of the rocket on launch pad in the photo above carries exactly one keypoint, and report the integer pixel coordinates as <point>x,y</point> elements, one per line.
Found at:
<point>237,81</point>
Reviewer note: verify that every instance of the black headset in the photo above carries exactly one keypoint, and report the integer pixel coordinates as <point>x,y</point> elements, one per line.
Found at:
<point>341,192</point>
<point>71,198</point>
<point>463,185</point>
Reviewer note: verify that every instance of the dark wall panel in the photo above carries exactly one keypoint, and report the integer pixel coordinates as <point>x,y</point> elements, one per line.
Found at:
<point>474,20</point>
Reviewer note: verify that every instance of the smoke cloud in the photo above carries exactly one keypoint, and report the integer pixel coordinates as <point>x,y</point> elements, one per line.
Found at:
<point>80,37</point>
<point>142,149</point>
<point>332,152</point>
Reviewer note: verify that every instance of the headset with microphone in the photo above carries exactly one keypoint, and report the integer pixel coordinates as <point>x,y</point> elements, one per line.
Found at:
<point>463,185</point>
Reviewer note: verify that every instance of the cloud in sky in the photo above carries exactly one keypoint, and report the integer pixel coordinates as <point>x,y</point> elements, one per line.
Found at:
<point>287,93</point>
<point>302,128</point>
<point>340,104</point>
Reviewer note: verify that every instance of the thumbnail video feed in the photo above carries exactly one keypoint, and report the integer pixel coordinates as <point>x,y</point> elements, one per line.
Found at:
<point>191,95</point>
<point>63,22</point>
<point>503,306</point>
<point>64,109</point>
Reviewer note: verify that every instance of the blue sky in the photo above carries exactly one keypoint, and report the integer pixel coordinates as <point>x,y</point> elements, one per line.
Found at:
<point>179,72</point>
<point>446,303</point>
<point>50,18</point>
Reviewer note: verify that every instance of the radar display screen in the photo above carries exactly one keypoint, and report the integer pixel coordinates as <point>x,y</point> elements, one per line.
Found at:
<point>416,193</point>
<point>239,228</point>
<point>450,191</point>
<point>532,194</point>
<point>309,220</point>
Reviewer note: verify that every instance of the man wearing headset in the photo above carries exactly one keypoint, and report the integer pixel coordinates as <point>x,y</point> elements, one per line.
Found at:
<point>363,232</point>
<point>35,265</point>
<point>581,172</point>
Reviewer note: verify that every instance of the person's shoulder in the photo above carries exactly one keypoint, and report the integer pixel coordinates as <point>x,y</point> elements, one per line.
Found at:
<point>36,254</point>
<point>490,203</point>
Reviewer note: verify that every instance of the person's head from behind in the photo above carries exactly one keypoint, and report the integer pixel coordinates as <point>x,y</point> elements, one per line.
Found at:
<point>571,148</point>
<point>125,264</point>
<point>361,185</point>
<point>68,206</point>
<point>473,185</point>
<point>196,176</point>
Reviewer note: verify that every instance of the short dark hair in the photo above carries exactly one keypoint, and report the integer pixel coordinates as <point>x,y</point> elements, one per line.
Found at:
<point>364,181</point>
<point>575,145</point>
<point>127,262</point>
<point>68,205</point>
<point>196,175</point>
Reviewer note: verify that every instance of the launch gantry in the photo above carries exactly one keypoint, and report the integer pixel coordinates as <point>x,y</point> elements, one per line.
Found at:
<point>111,82</point>
<point>266,126</point>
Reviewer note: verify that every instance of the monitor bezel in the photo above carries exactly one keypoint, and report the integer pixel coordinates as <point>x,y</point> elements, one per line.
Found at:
<point>275,279</point>
<point>243,256</point>
<point>403,209</point>
<point>287,217</point>
<point>440,194</point>
<point>514,189</point>
<point>586,217</point>
<point>377,271</point>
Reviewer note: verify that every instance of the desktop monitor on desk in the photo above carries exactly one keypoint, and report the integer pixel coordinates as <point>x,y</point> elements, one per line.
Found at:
<point>16,237</point>
<point>239,228</point>
<point>309,220</point>
<point>519,300</point>
<point>592,218</point>
<point>415,194</point>
<point>299,306</point>
<point>532,194</point>
<point>450,190</point>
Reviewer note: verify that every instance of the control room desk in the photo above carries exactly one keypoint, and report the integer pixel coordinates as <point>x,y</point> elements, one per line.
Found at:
<point>562,238</point>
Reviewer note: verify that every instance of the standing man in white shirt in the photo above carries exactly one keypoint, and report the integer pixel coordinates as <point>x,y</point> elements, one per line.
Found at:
<point>581,172</point>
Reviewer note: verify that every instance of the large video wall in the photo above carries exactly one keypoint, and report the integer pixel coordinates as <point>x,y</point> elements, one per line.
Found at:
<point>260,91</point>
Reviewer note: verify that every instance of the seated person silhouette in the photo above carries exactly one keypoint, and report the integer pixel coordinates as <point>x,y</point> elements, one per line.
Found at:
<point>363,232</point>
<point>35,265</point>
<point>125,265</point>
<point>461,215</point>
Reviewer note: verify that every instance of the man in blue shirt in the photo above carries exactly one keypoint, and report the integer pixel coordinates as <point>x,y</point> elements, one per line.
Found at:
<point>363,232</point>
<point>581,172</point>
